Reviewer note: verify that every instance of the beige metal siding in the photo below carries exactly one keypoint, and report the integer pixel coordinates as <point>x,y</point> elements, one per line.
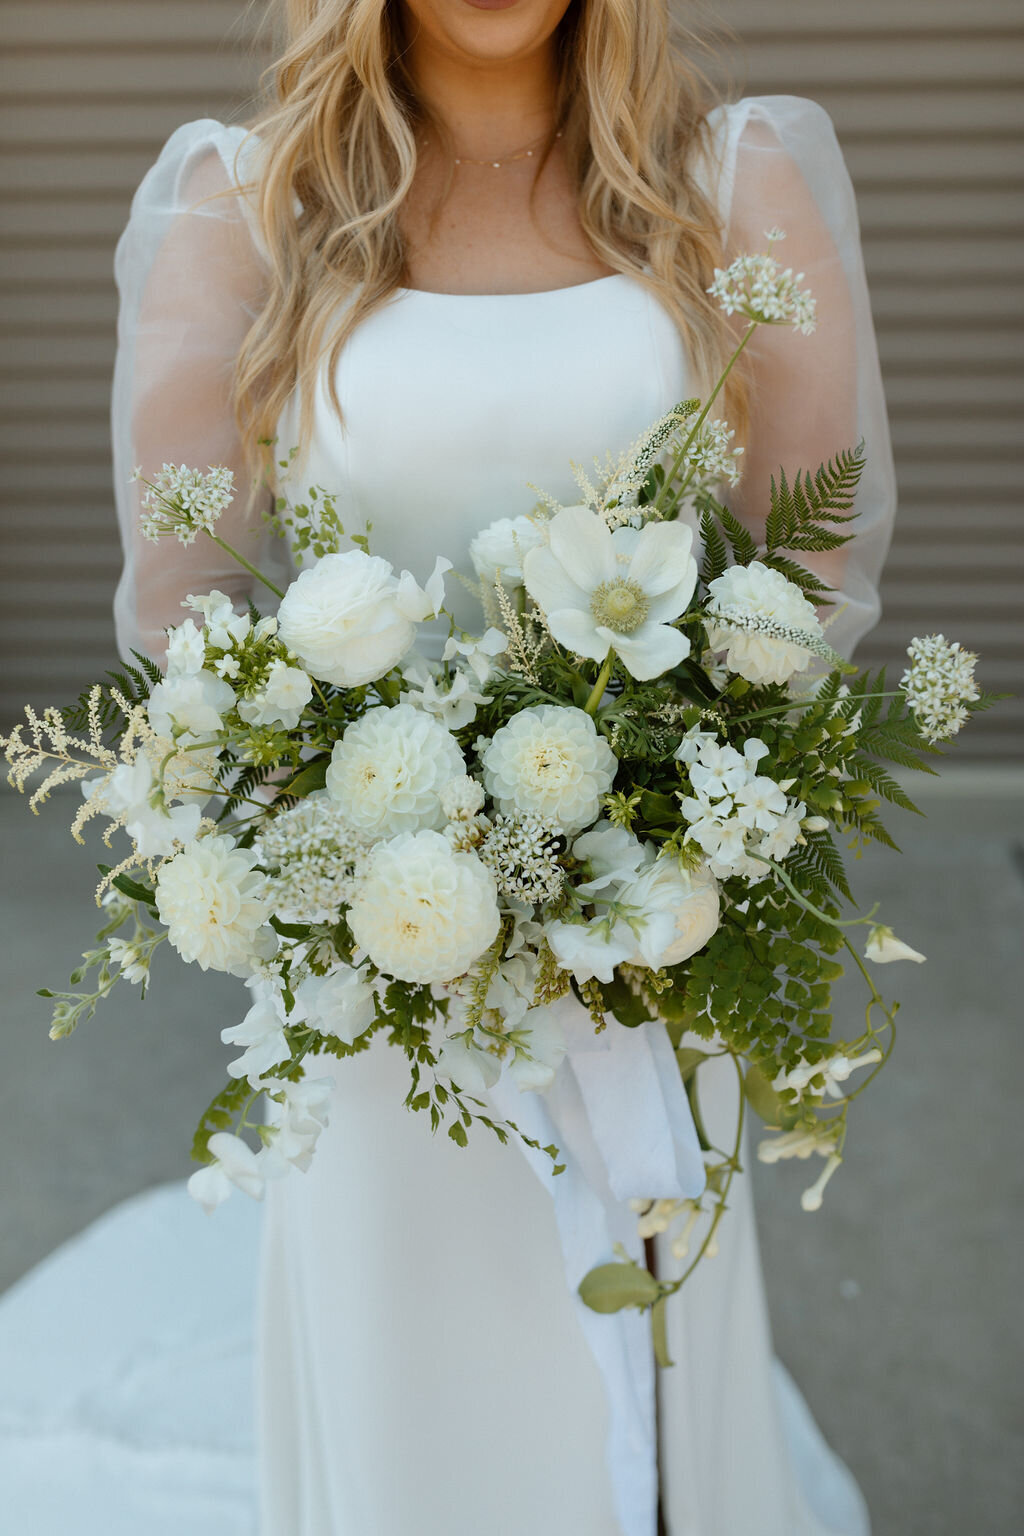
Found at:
<point>926,96</point>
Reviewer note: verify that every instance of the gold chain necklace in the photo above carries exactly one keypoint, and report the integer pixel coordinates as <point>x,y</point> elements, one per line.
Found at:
<point>521,154</point>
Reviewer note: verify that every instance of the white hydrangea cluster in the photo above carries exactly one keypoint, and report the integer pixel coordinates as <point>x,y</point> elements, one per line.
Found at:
<point>549,761</point>
<point>768,294</point>
<point>214,903</point>
<point>314,856</point>
<point>735,812</point>
<point>938,683</point>
<point>389,769</point>
<point>183,501</point>
<point>523,852</point>
<point>711,455</point>
<point>422,910</point>
<point>768,629</point>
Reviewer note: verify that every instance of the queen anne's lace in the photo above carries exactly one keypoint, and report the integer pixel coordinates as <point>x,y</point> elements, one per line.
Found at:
<point>522,851</point>
<point>314,856</point>
<point>184,502</point>
<point>758,287</point>
<point>938,683</point>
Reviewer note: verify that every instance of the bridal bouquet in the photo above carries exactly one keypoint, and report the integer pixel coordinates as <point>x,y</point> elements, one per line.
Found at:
<point>628,787</point>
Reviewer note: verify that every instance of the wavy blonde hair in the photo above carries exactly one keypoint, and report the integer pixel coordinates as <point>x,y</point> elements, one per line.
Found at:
<point>338,138</point>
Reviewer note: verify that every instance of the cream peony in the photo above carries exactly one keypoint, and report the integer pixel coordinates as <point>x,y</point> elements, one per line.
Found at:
<point>674,912</point>
<point>603,591</point>
<point>550,760</point>
<point>214,906</point>
<point>349,619</point>
<point>757,595</point>
<point>499,549</point>
<point>388,770</point>
<point>423,912</point>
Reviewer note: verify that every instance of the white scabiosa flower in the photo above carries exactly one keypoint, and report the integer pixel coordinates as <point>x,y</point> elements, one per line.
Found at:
<point>387,772</point>
<point>497,551</point>
<point>768,629</point>
<point>621,591</point>
<point>423,911</point>
<point>284,695</point>
<point>674,911</point>
<point>215,907</point>
<point>349,619</point>
<point>883,946</point>
<point>550,760</point>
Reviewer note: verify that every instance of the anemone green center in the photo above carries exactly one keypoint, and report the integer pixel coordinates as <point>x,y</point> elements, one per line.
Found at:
<point>619,605</point>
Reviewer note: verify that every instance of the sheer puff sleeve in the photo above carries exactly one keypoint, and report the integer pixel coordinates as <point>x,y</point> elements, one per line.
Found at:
<point>189,276</point>
<point>781,167</point>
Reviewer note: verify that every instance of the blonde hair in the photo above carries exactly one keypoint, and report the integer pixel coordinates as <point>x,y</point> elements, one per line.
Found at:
<point>338,138</point>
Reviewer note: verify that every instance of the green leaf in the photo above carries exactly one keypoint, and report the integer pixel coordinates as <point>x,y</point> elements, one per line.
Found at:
<point>611,1287</point>
<point>624,1004</point>
<point>457,1132</point>
<point>129,887</point>
<point>312,776</point>
<point>689,1059</point>
<point>765,1102</point>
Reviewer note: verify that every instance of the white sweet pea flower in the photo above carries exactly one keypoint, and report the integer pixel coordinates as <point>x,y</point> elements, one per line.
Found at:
<point>282,698</point>
<point>186,650</point>
<point>296,1114</point>
<point>543,1050</point>
<point>612,856</point>
<point>455,706</point>
<point>473,1070</point>
<point>155,829</point>
<point>811,1198</point>
<point>833,1071</point>
<point>191,706</point>
<point>262,1034</point>
<point>479,654</point>
<point>340,1003</point>
<point>498,550</point>
<point>603,591</point>
<point>349,619</point>
<point>223,625</point>
<point>883,946</point>
<point>236,1165</point>
<point>591,949</point>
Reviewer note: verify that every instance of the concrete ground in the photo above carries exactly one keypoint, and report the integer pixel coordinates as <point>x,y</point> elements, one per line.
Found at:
<point>897,1307</point>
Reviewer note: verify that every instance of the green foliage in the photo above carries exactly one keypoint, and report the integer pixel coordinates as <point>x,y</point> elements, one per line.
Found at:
<point>135,684</point>
<point>220,1115</point>
<point>612,1287</point>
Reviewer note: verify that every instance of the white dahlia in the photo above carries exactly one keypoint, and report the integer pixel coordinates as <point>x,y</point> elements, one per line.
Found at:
<point>621,591</point>
<point>767,618</point>
<point>349,619</point>
<point>214,905</point>
<point>422,911</point>
<point>550,760</point>
<point>388,770</point>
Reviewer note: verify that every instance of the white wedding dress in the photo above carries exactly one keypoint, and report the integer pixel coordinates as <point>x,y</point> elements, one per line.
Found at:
<point>424,1365</point>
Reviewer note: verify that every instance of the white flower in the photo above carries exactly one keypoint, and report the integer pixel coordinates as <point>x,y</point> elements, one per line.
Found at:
<point>132,959</point>
<point>611,855</point>
<point>522,852</point>
<point>479,654</point>
<point>471,1068</point>
<point>313,855</point>
<point>883,946</point>
<point>497,551</point>
<point>340,1003</point>
<point>540,1050</point>
<point>422,911</point>
<point>620,591</point>
<point>810,1200</point>
<point>262,1034</point>
<point>832,1071</point>
<point>186,650</point>
<point>296,1114</point>
<point>349,619</point>
<point>756,286</point>
<point>455,706</point>
<point>190,706</point>
<point>461,799</point>
<point>183,501</point>
<point>673,911</point>
<point>774,608</point>
<point>215,908</point>
<point>711,456</point>
<point>235,1164</point>
<point>389,768</point>
<point>131,791</point>
<point>550,760</point>
<point>224,627</point>
<point>591,949</point>
<point>938,683</point>
<point>282,698</point>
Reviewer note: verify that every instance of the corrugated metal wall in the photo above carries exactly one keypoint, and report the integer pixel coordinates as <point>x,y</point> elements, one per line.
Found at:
<point>928,101</point>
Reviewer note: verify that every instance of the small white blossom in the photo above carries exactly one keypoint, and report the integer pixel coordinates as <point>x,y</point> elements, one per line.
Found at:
<point>314,855</point>
<point>190,707</point>
<point>132,958</point>
<point>284,695</point>
<point>833,1071</point>
<point>224,627</point>
<point>811,1198</point>
<point>186,649</point>
<point>461,799</point>
<point>131,792</point>
<point>758,287</point>
<point>672,911</point>
<point>235,1165</point>
<point>938,683</point>
<point>883,946</point>
<point>711,456</point>
<point>479,654</point>
<point>522,852</point>
<point>184,502</point>
<point>455,705</point>
<point>262,1034</point>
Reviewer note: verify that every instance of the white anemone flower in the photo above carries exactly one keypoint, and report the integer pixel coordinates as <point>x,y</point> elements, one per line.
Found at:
<point>602,591</point>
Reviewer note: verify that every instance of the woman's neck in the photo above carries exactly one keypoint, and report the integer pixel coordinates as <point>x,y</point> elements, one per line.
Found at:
<point>488,109</point>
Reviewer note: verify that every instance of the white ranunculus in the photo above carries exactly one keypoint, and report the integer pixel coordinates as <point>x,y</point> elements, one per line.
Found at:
<point>235,1165</point>
<point>215,907</point>
<point>676,912</point>
<point>388,770</point>
<point>472,1070</point>
<point>193,704</point>
<point>282,698</point>
<point>349,619</point>
<point>550,760</point>
<point>591,949</point>
<point>620,591</point>
<point>499,549</point>
<point>340,1003</point>
<point>422,911</point>
<point>758,593</point>
<point>883,946</point>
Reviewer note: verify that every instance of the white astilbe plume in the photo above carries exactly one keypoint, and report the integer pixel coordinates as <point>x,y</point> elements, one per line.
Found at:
<point>53,748</point>
<point>758,287</point>
<point>183,501</point>
<point>938,683</point>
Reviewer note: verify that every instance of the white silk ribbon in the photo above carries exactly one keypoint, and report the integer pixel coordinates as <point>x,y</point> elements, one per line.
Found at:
<point>619,1115</point>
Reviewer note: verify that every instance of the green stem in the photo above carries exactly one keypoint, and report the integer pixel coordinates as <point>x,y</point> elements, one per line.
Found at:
<point>597,692</point>
<point>680,454</point>
<point>721,1206</point>
<point>245,564</point>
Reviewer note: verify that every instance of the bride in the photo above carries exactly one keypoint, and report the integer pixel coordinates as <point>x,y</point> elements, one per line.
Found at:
<point>467,242</point>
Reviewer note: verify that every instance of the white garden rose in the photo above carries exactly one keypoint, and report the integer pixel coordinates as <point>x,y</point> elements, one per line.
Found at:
<point>498,550</point>
<point>349,619</point>
<point>387,772</point>
<point>422,911</point>
<point>602,591</point>
<point>756,594</point>
<point>674,911</point>
<point>550,760</point>
<point>215,908</point>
